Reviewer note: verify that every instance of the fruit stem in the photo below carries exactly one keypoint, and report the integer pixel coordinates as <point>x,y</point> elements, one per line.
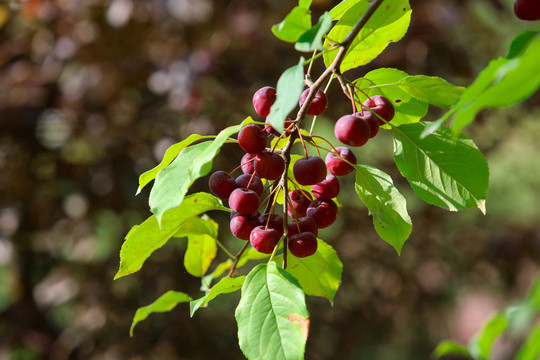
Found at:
<point>303,143</point>
<point>237,258</point>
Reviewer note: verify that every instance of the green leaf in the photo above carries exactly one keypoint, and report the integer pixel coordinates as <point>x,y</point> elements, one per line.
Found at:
<point>173,182</point>
<point>201,250</point>
<point>386,205</point>
<point>531,348</point>
<point>480,346</point>
<point>164,303</point>
<point>169,156</point>
<point>224,286</point>
<point>312,39</point>
<point>273,321</point>
<point>198,226</point>
<point>250,254</point>
<point>297,22</point>
<point>431,89</point>
<point>385,82</point>
<point>289,88</point>
<point>388,24</point>
<point>318,274</point>
<point>520,43</point>
<point>443,171</point>
<point>142,240</point>
<point>341,9</point>
<point>503,83</point>
<point>449,348</point>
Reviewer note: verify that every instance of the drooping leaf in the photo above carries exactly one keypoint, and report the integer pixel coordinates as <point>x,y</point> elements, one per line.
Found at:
<point>273,321</point>
<point>388,24</point>
<point>520,43</point>
<point>386,205</point>
<point>312,39</point>
<point>289,88</point>
<point>297,22</point>
<point>201,250</point>
<point>481,345</point>
<point>450,348</point>
<point>431,89</point>
<point>318,274</point>
<point>169,156</point>
<point>142,240</point>
<point>384,81</point>
<point>530,350</point>
<point>444,171</point>
<point>173,182</point>
<point>164,303</point>
<point>224,286</point>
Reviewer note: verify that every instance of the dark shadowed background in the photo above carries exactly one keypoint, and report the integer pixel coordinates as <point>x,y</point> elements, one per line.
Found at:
<point>93,92</point>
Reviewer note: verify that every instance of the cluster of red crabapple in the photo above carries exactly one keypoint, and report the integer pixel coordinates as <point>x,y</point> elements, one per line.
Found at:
<point>308,215</point>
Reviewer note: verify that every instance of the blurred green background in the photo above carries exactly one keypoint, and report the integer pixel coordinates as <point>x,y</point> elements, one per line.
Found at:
<point>93,92</point>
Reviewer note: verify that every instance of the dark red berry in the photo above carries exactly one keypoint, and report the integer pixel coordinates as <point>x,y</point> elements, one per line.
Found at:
<point>264,240</point>
<point>299,201</point>
<point>352,130</point>
<point>263,99</point>
<point>244,201</point>
<point>318,105</point>
<point>337,165</point>
<point>382,107</point>
<point>528,10</point>
<point>256,184</point>
<point>324,212</point>
<point>327,189</point>
<point>242,225</point>
<point>372,121</point>
<point>309,170</point>
<point>305,223</point>
<point>247,163</point>
<point>303,244</point>
<point>288,122</point>
<point>275,221</point>
<point>269,165</point>
<point>252,139</point>
<point>221,184</point>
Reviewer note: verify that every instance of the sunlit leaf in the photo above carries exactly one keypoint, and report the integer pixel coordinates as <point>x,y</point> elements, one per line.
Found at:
<point>530,350</point>
<point>431,89</point>
<point>224,286</point>
<point>450,348</point>
<point>385,82</point>
<point>386,205</point>
<point>318,274</point>
<point>173,182</point>
<point>296,23</point>
<point>444,171</point>
<point>273,321</point>
<point>480,347</point>
<point>388,24</point>
<point>312,39</point>
<point>164,303</point>
<point>142,240</point>
<point>202,248</point>
<point>289,88</point>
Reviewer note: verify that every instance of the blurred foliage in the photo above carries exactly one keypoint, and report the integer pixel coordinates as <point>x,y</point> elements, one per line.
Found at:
<point>93,92</point>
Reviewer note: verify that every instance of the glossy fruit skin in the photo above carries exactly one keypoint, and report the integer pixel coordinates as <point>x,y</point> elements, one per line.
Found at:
<point>310,170</point>
<point>252,139</point>
<point>324,212</point>
<point>373,123</point>
<point>381,106</point>
<point>263,99</point>
<point>221,184</point>
<point>352,130</point>
<point>269,165</point>
<point>305,223</point>
<point>326,189</point>
<point>242,225</point>
<point>299,202</point>
<point>264,240</point>
<point>244,201</point>
<point>270,130</point>
<point>318,105</point>
<point>528,10</point>
<point>256,184</point>
<point>303,244</point>
<point>338,166</point>
<point>275,222</point>
<point>247,163</point>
